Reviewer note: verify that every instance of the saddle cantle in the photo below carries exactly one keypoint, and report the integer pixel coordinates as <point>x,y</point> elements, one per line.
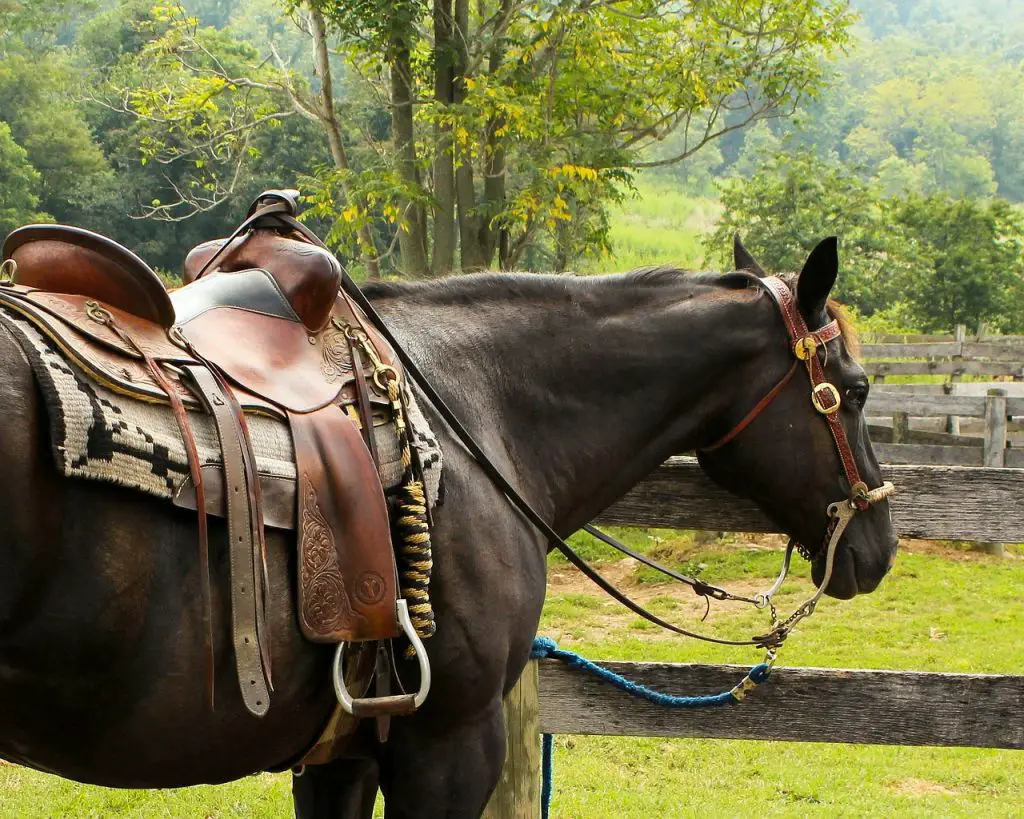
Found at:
<point>261,326</point>
<point>63,259</point>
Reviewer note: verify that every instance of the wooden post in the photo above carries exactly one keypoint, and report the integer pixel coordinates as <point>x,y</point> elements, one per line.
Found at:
<point>518,793</point>
<point>953,421</point>
<point>994,453</point>
<point>900,428</point>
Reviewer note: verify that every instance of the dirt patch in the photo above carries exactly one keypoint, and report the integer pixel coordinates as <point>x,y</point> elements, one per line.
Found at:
<point>921,787</point>
<point>949,551</point>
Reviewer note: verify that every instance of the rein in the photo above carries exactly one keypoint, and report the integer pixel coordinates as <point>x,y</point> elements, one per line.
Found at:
<point>824,396</point>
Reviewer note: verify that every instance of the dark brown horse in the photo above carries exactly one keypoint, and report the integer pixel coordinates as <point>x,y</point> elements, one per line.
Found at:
<point>577,387</point>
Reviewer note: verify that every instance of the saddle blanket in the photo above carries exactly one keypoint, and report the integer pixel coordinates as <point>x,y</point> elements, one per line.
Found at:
<point>101,435</point>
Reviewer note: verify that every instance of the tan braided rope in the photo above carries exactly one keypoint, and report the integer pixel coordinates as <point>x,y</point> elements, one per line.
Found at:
<point>412,531</point>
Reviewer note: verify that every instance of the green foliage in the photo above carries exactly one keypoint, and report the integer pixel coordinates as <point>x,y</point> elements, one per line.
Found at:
<point>556,101</point>
<point>19,184</point>
<point>790,203</point>
<point>931,104</point>
<point>976,262</point>
<point>37,103</point>
<point>932,262</point>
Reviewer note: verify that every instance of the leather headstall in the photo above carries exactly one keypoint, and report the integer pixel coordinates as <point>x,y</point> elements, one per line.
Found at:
<point>808,347</point>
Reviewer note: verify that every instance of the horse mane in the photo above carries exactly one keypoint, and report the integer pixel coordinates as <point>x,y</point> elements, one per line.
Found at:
<point>493,287</point>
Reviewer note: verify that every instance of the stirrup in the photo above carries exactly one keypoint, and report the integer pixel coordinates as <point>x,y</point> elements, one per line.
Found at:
<point>398,704</point>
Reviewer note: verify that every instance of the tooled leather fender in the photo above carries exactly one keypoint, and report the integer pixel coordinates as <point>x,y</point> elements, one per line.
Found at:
<point>347,575</point>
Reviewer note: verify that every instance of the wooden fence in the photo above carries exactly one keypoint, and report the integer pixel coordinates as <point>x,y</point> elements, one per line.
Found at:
<point>798,704</point>
<point>905,446</point>
<point>953,356</point>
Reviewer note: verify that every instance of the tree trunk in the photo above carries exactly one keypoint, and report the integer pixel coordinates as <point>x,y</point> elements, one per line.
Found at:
<point>492,239</point>
<point>367,246</point>
<point>444,162</point>
<point>473,257</point>
<point>412,237</point>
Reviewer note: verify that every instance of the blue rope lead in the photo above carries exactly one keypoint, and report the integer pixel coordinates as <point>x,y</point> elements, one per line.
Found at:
<point>546,648</point>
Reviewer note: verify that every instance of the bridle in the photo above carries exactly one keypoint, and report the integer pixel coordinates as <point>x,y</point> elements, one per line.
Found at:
<point>810,348</point>
<point>806,347</point>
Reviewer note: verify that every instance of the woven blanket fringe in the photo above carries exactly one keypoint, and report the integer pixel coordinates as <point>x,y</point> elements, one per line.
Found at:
<point>546,648</point>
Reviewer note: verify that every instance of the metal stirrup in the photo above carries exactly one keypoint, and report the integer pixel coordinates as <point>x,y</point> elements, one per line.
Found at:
<point>394,705</point>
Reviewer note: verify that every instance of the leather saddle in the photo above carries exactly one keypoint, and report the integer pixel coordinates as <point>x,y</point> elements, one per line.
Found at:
<point>261,325</point>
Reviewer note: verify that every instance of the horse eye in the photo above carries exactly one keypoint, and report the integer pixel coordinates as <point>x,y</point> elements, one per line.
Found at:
<point>858,395</point>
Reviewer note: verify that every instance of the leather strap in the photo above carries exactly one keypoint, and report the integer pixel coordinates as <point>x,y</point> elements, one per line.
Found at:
<point>757,410</point>
<point>245,602</point>
<point>825,396</point>
<point>382,686</point>
<point>363,400</point>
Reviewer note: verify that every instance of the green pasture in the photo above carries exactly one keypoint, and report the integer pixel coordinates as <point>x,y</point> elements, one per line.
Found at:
<point>659,226</point>
<point>943,608</point>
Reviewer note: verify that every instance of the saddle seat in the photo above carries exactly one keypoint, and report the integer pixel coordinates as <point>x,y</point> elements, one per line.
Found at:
<point>261,325</point>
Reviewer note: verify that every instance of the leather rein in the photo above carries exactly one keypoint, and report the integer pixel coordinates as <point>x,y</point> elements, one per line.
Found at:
<point>824,396</point>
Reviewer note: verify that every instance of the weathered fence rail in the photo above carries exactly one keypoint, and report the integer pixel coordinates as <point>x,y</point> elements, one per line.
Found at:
<point>960,334</point>
<point>798,704</point>
<point>903,445</point>
<point>941,502</point>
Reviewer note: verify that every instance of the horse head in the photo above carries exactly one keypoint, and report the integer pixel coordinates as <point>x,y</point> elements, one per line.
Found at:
<point>782,449</point>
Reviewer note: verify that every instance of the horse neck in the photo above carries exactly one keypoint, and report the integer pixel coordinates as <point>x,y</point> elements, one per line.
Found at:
<point>581,387</point>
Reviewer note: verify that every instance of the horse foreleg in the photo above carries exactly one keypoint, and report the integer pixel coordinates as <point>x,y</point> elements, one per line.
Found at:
<point>441,768</point>
<point>346,789</point>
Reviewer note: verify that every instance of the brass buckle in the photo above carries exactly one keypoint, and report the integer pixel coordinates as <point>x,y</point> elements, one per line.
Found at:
<point>8,269</point>
<point>805,347</point>
<point>98,314</point>
<point>829,387</point>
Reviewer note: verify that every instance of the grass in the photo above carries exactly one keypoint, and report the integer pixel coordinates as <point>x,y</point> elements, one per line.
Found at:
<point>660,226</point>
<point>951,611</point>
<point>942,608</point>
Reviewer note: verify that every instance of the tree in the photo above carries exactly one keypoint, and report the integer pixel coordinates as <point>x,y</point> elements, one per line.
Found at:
<point>37,86</point>
<point>936,260</point>
<point>510,124</point>
<point>790,202</point>
<point>19,182</point>
<point>976,254</point>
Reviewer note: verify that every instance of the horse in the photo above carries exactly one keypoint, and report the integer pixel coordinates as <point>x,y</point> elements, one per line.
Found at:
<point>577,387</point>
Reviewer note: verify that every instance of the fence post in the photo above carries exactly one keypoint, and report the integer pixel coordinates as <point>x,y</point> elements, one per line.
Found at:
<point>518,793</point>
<point>994,453</point>
<point>953,421</point>
<point>900,428</point>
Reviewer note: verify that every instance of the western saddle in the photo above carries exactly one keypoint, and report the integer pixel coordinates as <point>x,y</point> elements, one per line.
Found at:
<point>261,325</point>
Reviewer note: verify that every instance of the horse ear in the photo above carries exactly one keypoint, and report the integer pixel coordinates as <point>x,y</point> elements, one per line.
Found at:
<point>743,260</point>
<point>818,277</point>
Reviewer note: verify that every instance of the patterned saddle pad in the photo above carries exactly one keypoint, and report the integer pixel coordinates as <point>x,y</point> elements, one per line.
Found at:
<point>98,434</point>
